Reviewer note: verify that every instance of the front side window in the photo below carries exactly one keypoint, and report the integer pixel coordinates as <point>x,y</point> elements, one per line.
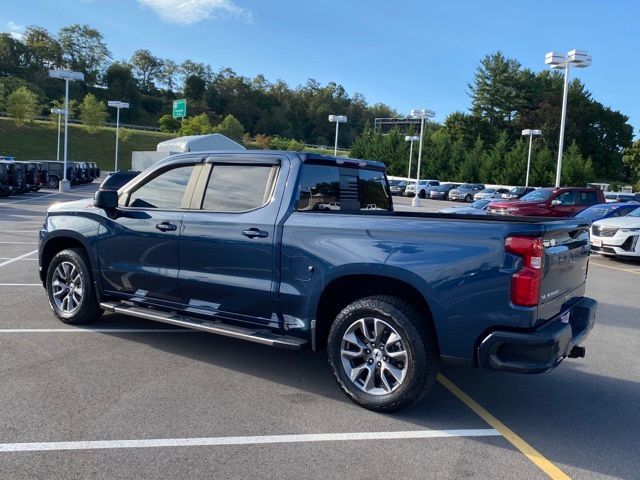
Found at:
<point>164,191</point>
<point>239,188</point>
<point>331,187</point>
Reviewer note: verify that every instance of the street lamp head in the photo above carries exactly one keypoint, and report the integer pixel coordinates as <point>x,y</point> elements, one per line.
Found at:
<point>421,113</point>
<point>579,58</point>
<point>555,59</point>
<point>117,104</point>
<point>338,118</point>
<point>67,75</point>
<point>411,138</point>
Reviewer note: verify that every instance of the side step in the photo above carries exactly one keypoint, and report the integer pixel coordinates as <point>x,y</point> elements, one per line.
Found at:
<point>265,337</point>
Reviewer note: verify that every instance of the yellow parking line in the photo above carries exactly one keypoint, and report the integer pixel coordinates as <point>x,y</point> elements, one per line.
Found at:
<point>636,272</point>
<point>531,453</point>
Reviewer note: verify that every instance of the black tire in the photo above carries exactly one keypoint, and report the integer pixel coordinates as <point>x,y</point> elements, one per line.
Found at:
<point>88,308</point>
<point>468,199</point>
<point>422,194</point>
<point>416,337</point>
<point>53,183</point>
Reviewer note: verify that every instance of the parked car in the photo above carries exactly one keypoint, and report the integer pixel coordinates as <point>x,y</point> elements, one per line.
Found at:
<point>424,188</point>
<point>517,192</point>
<point>95,170</point>
<point>55,172</point>
<point>608,210</point>
<point>617,236</point>
<point>228,243</point>
<point>115,180</point>
<point>15,176</point>
<point>6,186</point>
<point>33,175</point>
<point>21,184</point>
<point>479,207</point>
<point>465,192</point>
<point>620,197</point>
<point>490,193</point>
<point>441,192</point>
<point>550,202</point>
<point>397,187</point>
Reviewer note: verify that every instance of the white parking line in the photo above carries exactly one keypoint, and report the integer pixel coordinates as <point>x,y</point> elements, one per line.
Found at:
<point>28,197</point>
<point>254,440</point>
<point>97,330</point>
<point>7,262</point>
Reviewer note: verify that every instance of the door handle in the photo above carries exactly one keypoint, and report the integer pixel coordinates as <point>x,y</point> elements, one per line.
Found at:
<point>255,232</point>
<point>166,227</point>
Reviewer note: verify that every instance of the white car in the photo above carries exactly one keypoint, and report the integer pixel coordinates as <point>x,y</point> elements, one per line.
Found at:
<point>490,193</point>
<point>425,188</point>
<point>617,236</point>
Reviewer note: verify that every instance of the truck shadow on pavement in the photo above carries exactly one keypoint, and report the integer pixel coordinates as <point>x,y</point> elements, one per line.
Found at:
<point>573,417</point>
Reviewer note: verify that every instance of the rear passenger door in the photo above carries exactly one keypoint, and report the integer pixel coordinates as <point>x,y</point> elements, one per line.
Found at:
<point>227,246</point>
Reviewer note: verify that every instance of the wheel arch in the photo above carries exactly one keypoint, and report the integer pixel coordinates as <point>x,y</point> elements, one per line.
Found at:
<point>62,240</point>
<point>345,289</point>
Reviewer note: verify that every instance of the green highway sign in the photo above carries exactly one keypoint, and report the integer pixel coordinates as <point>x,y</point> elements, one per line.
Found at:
<point>179,108</point>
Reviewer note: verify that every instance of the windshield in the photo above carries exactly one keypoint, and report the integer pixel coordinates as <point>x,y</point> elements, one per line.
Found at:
<point>635,213</point>
<point>480,204</point>
<point>488,190</point>
<point>466,186</point>
<point>539,195</point>
<point>595,212</point>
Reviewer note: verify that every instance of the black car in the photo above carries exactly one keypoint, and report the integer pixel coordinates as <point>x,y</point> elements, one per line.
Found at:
<point>517,192</point>
<point>6,188</point>
<point>34,177</point>
<point>397,187</point>
<point>115,180</point>
<point>95,171</point>
<point>54,171</point>
<point>15,176</point>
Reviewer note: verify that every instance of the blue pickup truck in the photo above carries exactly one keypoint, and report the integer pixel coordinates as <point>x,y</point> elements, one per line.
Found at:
<point>294,250</point>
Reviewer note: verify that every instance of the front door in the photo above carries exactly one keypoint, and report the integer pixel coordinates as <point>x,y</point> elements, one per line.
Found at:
<point>227,245</point>
<point>138,247</point>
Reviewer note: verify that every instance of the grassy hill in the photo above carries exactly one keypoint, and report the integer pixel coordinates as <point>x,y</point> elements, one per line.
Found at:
<point>37,141</point>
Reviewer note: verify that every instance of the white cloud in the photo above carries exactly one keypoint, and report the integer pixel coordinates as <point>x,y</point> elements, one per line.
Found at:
<point>15,30</point>
<point>187,12</point>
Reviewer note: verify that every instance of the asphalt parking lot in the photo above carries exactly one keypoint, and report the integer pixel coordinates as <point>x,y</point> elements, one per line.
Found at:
<point>141,400</point>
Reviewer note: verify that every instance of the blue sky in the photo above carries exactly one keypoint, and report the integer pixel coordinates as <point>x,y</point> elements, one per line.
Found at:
<point>404,53</point>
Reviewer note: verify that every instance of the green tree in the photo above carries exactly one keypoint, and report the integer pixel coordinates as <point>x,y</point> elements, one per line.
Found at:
<point>230,127</point>
<point>168,74</point>
<point>73,106</point>
<point>515,165</point>
<point>543,166</point>
<point>169,124</point>
<point>492,167</point>
<point>631,157</point>
<point>44,47</point>
<point>93,113</point>
<point>576,170</point>
<point>146,67</point>
<point>84,50</point>
<point>197,125</point>
<point>22,106</point>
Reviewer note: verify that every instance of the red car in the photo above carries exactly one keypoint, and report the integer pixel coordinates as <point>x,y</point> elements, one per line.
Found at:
<point>550,202</point>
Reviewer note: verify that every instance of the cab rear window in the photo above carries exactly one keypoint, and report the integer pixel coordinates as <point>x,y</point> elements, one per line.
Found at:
<point>337,188</point>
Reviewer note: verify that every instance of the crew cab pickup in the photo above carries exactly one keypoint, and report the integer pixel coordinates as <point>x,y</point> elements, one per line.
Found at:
<point>550,202</point>
<point>240,244</point>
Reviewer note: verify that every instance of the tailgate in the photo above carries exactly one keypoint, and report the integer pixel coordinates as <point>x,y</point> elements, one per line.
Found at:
<point>565,263</point>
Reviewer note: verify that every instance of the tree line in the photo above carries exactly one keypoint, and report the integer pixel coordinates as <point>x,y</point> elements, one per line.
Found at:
<point>483,143</point>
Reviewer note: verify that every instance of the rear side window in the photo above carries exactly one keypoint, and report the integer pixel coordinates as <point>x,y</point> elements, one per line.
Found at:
<point>331,187</point>
<point>164,191</point>
<point>239,188</point>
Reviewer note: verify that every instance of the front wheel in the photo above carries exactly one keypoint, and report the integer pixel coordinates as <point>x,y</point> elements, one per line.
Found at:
<point>382,354</point>
<point>53,183</point>
<point>468,199</point>
<point>70,290</point>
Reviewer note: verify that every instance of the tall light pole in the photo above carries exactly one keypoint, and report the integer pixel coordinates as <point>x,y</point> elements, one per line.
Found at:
<point>67,76</point>
<point>337,119</point>
<point>410,138</point>
<point>118,105</point>
<point>530,133</point>
<point>579,59</point>
<point>59,112</point>
<point>421,114</point>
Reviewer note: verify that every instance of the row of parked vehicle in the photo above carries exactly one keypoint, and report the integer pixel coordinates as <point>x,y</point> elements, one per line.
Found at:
<point>31,175</point>
<point>460,192</point>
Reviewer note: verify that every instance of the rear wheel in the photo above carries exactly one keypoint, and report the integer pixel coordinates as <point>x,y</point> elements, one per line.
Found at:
<point>53,182</point>
<point>70,288</point>
<point>382,354</point>
<point>468,199</point>
<point>422,194</point>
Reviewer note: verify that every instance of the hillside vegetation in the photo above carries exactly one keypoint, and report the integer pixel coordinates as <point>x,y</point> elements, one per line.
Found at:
<point>38,140</point>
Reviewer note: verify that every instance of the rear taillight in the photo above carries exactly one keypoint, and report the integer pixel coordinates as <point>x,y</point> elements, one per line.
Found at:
<point>525,283</point>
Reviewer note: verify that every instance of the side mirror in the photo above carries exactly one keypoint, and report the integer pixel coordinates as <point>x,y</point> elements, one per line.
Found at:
<point>555,203</point>
<point>106,199</point>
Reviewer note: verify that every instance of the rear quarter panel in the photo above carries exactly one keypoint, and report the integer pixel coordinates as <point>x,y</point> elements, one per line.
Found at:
<point>458,265</point>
